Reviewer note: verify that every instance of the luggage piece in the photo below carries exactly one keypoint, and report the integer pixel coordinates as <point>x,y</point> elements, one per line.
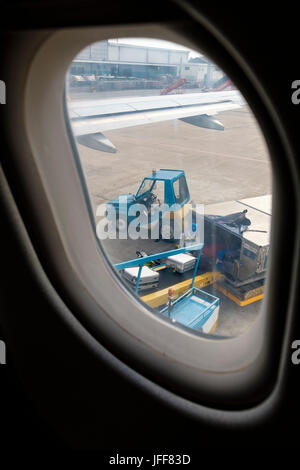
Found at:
<point>182,262</point>
<point>148,279</point>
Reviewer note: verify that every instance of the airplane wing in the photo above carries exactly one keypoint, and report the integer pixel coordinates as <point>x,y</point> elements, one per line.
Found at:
<point>90,119</point>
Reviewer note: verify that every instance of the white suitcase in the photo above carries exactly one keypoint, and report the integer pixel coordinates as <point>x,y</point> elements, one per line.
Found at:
<point>148,279</point>
<point>182,262</point>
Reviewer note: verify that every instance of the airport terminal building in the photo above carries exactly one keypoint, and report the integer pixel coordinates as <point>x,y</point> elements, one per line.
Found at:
<point>111,59</point>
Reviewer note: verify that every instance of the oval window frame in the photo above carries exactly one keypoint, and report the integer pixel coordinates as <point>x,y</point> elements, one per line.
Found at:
<point>158,358</point>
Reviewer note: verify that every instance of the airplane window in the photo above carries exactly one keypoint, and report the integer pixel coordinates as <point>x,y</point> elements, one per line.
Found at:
<point>179,179</point>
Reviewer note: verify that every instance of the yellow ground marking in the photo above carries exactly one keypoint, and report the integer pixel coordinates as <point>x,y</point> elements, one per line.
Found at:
<point>161,297</point>
<point>241,303</point>
<point>159,268</point>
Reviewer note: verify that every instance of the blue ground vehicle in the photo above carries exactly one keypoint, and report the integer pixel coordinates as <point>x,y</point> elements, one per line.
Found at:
<point>163,193</point>
<point>195,308</point>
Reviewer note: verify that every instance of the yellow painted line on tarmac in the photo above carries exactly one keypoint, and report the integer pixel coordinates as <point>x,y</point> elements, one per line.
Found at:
<point>159,268</point>
<point>161,297</point>
<point>241,303</point>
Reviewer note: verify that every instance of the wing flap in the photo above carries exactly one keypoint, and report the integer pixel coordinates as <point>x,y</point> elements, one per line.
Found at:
<point>97,141</point>
<point>208,122</point>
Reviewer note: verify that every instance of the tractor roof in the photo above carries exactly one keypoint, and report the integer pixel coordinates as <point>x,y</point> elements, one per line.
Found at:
<point>164,174</point>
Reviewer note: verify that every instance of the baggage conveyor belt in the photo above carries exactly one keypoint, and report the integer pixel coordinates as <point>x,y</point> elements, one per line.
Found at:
<point>180,282</point>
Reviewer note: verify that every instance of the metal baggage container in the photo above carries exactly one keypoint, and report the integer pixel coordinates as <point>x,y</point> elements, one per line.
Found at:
<point>250,248</point>
<point>195,309</point>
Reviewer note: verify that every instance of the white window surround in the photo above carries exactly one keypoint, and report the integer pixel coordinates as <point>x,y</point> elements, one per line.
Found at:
<point>201,363</point>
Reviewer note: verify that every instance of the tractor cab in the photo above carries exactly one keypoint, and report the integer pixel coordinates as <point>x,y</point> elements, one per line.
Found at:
<point>163,193</point>
<point>164,187</point>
